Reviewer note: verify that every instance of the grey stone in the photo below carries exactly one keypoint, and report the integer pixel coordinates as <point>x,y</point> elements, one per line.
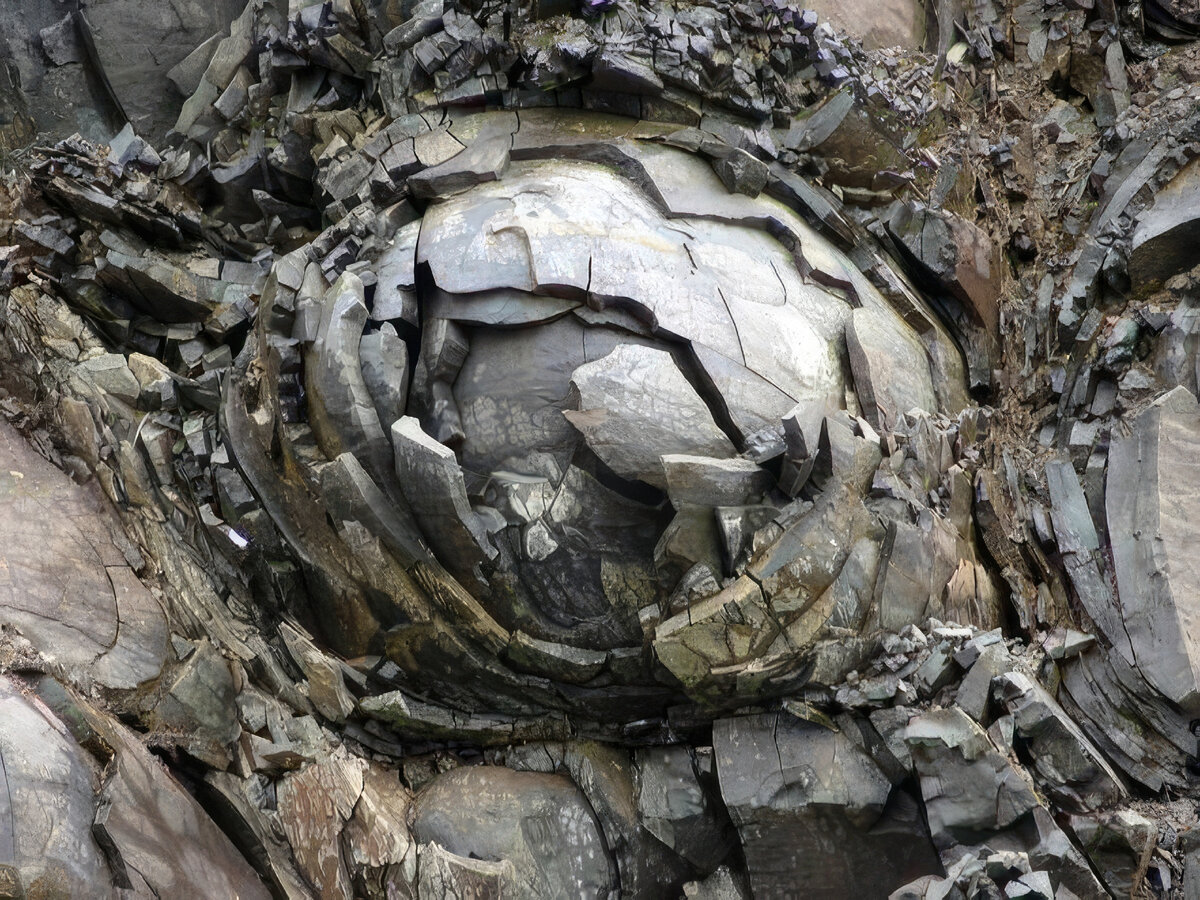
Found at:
<point>1167,230</point>
<point>137,45</point>
<point>741,173</point>
<point>540,824</point>
<point>1119,844</point>
<point>383,357</point>
<point>66,584</point>
<point>48,802</point>
<point>484,160</point>
<point>433,484</point>
<point>341,408</point>
<point>110,372</point>
<point>1150,513</point>
<point>891,369</point>
<point>953,758</point>
<point>674,806</point>
<point>1071,770</point>
<point>60,42</point>
<point>702,481</point>
<point>793,787</point>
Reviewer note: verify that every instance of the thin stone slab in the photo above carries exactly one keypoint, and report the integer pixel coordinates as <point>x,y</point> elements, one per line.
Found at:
<point>635,407</point>
<point>433,485</point>
<point>501,307</point>
<point>700,481</point>
<point>340,406</point>
<point>890,366</point>
<point>383,356</point>
<point>1153,505</point>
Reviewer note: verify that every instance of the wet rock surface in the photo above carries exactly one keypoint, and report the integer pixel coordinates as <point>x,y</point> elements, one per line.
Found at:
<point>607,449</point>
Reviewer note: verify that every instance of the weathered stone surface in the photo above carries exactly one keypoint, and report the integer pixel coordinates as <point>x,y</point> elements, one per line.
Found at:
<point>315,805</point>
<point>433,485</point>
<point>675,807</point>
<point>1119,846</point>
<point>1071,770</point>
<point>66,584</point>
<point>636,407</point>
<point>702,481</point>
<point>540,824</point>
<point>1150,515</point>
<point>891,368</point>
<point>953,756</point>
<point>896,23</point>
<point>47,791</point>
<point>1167,231</point>
<point>792,788</point>
<point>138,43</point>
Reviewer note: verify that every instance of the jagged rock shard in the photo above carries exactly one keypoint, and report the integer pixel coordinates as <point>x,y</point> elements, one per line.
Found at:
<point>433,485</point>
<point>635,407</point>
<point>1153,508</point>
<point>891,368</point>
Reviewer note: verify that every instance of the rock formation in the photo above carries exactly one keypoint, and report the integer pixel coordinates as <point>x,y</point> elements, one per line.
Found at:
<point>538,448</point>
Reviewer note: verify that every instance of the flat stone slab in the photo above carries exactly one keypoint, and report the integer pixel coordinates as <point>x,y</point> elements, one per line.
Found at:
<point>891,368</point>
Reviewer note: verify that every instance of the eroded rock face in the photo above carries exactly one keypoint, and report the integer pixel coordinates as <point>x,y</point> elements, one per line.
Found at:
<point>608,349</point>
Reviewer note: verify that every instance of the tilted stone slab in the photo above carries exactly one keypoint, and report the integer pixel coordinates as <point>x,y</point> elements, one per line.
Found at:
<point>1153,507</point>
<point>433,484</point>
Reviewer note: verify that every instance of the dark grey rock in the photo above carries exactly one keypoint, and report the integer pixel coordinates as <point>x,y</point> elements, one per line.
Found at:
<point>791,787</point>
<point>1149,516</point>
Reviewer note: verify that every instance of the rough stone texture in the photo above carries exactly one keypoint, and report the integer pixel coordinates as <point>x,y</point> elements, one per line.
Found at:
<point>789,799</point>
<point>66,585</point>
<point>137,43</point>
<point>890,368</point>
<point>540,823</point>
<point>1150,522</point>
<point>1167,231</point>
<point>563,565</point>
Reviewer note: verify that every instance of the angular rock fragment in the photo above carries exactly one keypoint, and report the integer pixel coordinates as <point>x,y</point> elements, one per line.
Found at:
<point>433,485</point>
<point>635,407</point>
<point>1165,239</point>
<point>791,787</point>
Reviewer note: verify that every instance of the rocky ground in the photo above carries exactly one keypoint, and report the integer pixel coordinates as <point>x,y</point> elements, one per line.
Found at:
<point>610,449</point>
